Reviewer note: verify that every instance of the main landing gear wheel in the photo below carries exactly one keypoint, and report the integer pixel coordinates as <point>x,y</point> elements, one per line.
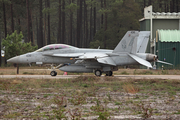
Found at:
<point>109,73</point>
<point>53,73</point>
<point>98,73</point>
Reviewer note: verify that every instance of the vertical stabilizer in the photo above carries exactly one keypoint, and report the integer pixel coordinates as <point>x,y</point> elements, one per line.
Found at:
<point>127,42</point>
<point>142,42</point>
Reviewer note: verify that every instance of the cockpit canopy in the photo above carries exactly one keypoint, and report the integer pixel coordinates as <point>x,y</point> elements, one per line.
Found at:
<point>54,47</point>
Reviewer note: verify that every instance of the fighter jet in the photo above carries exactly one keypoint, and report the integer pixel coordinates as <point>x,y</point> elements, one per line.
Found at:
<point>129,51</point>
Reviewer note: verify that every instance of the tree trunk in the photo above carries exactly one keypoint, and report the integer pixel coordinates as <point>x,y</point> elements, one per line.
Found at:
<point>144,3</point>
<point>150,2</point>
<point>78,26</point>
<point>63,22</point>
<point>177,5</point>
<point>30,24</point>
<point>59,37</point>
<point>105,28</point>
<point>28,21</point>
<point>12,21</point>
<point>94,21</point>
<point>71,25</point>
<point>101,14</point>
<point>0,49</point>
<point>4,14</point>
<point>86,24</point>
<point>41,42</point>
<point>91,23</point>
<point>49,33</point>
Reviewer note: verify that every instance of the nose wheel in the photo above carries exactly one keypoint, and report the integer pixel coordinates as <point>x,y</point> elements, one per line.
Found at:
<point>98,73</point>
<point>53,73</point>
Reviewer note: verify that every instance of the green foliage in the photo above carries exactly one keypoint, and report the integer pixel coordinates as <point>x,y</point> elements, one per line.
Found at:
<point>124,73</point>
<point>14,45</point>
<point>100,110</point>
<point>96,44</point>
<point>121,17</point>
<point>72,7</point>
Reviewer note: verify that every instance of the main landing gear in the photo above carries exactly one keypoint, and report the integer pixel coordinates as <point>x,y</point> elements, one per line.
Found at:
<point>99,73</point>
<point>109,73</point>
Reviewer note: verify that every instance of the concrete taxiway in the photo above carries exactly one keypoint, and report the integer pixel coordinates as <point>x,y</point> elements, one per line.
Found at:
<point>177,77</point>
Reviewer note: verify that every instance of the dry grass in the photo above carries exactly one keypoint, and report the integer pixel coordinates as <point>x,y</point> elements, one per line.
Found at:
<point>130,88</point>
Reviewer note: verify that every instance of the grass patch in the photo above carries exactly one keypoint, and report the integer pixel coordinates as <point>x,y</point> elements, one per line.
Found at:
<point>87,96</point>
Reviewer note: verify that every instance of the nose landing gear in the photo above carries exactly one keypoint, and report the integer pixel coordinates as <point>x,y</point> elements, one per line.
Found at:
<point>53,73</point>
<point>53,69</point>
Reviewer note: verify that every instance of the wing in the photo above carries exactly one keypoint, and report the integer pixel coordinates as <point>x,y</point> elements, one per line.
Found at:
<point>102,58</point>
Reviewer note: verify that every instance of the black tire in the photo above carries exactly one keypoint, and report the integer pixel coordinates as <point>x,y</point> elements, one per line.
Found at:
<point>109,73</point>
<point>53,73</point>
<point>98,73</point>
<point>56,74</point>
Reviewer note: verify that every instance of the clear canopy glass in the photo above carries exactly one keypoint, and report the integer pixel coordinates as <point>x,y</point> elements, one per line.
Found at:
<point>53,47</point>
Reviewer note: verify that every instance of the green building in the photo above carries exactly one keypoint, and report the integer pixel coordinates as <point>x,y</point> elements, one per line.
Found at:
<point>165,36</point>
<point>168,48</point>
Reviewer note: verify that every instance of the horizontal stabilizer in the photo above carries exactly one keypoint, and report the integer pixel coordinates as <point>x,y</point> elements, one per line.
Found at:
<point>164,62</point>
<point>106,60</point>
<point>141,61</point>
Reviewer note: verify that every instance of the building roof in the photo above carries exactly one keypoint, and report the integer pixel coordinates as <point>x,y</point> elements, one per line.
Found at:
<point>169,35</point>
<point>148,14</point>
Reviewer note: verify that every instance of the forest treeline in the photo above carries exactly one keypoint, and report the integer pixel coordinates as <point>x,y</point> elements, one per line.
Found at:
<point>81,23</point>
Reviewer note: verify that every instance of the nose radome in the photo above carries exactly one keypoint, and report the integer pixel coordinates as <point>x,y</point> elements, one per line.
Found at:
<point>14,60</point>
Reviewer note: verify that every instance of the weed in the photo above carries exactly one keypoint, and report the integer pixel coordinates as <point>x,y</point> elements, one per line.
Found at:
<point>178,112</point>
<point>109,97</point>
<point>104,115</point>
<point>27,73</point>
<point>147,111</point>
<point>134,72</point>
<point>78,99</point>
<point>130,88</point>
<point>60,112</point>
<point>12,115</point>
<point>75,114</point>
<point>124,73</point>
<point>100,110</point>
<point>118,103</point>
<point>164,72</point>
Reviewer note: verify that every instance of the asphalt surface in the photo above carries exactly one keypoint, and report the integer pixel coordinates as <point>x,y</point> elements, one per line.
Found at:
<point>177,77</point>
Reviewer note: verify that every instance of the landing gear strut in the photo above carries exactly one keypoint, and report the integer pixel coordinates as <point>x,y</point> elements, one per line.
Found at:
<point>98,73</point>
